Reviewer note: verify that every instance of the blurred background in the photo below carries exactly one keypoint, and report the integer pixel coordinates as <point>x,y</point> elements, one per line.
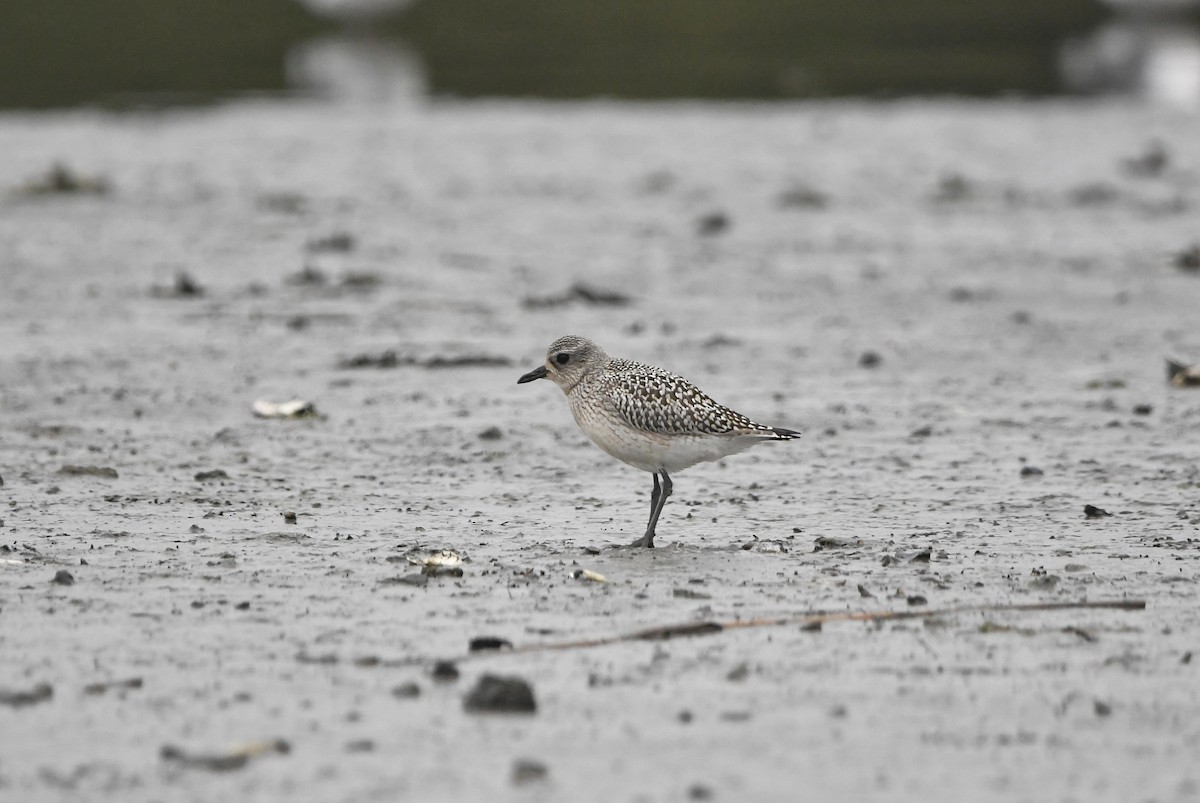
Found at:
<point>63,53</point>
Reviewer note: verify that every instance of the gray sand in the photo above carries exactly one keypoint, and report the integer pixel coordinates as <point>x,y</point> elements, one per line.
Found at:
<point>1013,277</point>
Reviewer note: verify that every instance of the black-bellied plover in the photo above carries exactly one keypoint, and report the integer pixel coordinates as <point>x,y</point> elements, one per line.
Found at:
<point>647,417</point>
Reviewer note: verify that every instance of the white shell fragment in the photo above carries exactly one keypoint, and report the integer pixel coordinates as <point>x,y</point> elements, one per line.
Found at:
<point>296,408</point>
<point>588,574</point>
<point>446,557</point>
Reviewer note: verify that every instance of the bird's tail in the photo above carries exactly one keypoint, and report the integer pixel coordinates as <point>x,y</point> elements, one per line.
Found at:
<point>781,434</point>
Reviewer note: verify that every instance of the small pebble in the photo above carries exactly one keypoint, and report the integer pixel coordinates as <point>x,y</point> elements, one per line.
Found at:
<point>289,517</point>
<point>527,771</point>
<point>494,694</point>
<point>63,578</point>
<point>445,671</point>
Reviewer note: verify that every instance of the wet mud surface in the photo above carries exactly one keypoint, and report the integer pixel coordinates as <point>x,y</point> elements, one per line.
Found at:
<point>965,308</point>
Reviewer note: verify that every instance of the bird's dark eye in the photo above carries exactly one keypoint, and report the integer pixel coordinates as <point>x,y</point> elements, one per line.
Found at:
<point>562,358</point>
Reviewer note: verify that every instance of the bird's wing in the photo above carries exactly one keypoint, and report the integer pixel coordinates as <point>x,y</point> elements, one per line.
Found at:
<point>660,402</point>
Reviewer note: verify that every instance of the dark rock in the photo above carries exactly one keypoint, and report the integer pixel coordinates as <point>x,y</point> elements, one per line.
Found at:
<point>687,593</point>
<point>214,474</point>
<point>1189,259</point>
<point>406,691</point>
<point>89,471</point>
<point>1031,471</point>
<point>1143,409</point>
<point>738,673</point>
<point>1093,512</point>
<point>491,434</point>
<point>869,359</point>
<point>289,517</point>
<point>19,699</point>
<point>101,688</point>
<point>484,643</point>
<point>811,627</point>
<point>500,695</point>
<point>712,224</point>
<point>63,578</point>
<point>339,242</point>
<point>921,432</point>
<point>415,579</point>
<point>916,599</point>
<point>1102,708</point>
<point>528,771</point>
<point>445,671</point>
<point>863,592</point>
<point>824,542</point>
<point>384,359</point>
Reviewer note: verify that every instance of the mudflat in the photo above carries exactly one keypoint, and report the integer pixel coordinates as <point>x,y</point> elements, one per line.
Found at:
<point>964,306</point>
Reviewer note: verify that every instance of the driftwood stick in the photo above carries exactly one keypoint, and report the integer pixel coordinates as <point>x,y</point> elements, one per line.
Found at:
<point>813,618</point>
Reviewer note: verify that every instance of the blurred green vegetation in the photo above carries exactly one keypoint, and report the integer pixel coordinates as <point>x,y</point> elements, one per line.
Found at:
<point>743,48</point>
<point>56,53</point>
<point>70,52</point>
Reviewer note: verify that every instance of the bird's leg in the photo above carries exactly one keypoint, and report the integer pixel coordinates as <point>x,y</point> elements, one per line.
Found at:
<point>654,495</point>
<point>658,498</point>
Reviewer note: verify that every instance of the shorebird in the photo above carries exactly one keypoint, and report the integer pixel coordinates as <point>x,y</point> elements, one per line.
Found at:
<point>645,416</point>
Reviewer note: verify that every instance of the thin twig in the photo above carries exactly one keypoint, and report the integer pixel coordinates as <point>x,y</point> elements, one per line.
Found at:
<point>666,632</point>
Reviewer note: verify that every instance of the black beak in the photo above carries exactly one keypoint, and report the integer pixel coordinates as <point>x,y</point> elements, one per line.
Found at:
<point>536,373</point>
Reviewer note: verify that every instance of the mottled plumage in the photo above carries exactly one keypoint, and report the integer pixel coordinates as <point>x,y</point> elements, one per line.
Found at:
<point>647,417</point>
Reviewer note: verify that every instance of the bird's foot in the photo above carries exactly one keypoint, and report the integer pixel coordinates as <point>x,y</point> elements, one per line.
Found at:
<point>646,541</point>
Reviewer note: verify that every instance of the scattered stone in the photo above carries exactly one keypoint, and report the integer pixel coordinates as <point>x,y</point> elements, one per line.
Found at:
<point>687,593</point>
<point>916,556</point>
<point>699,791</point>
<point>491,434</point>
<point>500,695</point>
<point>1031,471</point>
<point>418,579</point>
<point>384,359</point>
<point>869,359</point>
<point>1102,708</point>
<point>1186,658</point>
<point>1182,376</point>
<point>195,529</point>
<point>445,671</point>
<point>441,571</point>
<point>406,691</point>
<point>89,471</point>
<point>1093,194</point>
<point>1189,259</point>
<point>712,224</point>
<point>101,688</point>
<point>685,717</point>
<point>811,627</point>
<point>824,542</point>
<point>62,180</point>
<point>243,606</point>
<point>528,771</point>
<point>1143,409</point>
<point>289,517</point>
<point>361,281</point>
<point>584,294</point>
<point>223,762</point>
<point>1093,512</point>
<point>324,659</point>
<point>921,432</point>
<point>309,276</point>
<point>25,697</point>
<point>214,474</point>
<point>339,242</point>
<point>863,592</point>
<point>63,578</point>
<point>916,599</point>
<point>953,188</point>
<point>1148,164</point>
<point>738,673</point>
<point>801,196</point>
<point>484,643</point>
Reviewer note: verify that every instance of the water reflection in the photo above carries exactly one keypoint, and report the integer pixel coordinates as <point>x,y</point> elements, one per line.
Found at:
<point>356,68</point>
<point>1151,57</point>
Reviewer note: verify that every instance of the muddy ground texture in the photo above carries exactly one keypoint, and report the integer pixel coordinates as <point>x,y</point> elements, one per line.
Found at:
<point>965,307</point>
